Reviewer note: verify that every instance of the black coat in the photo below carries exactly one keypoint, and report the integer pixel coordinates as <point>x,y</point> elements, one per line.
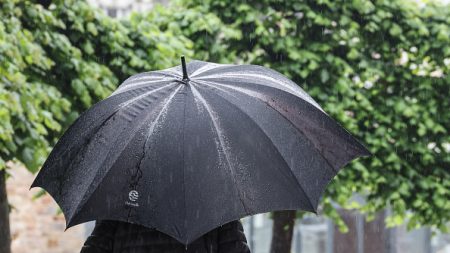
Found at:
<point>123,237</point>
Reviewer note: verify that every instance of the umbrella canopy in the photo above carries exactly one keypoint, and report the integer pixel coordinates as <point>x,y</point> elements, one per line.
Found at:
<point>187,149</point>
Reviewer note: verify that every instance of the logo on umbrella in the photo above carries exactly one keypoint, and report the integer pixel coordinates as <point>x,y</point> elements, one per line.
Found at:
<point>133,195</point>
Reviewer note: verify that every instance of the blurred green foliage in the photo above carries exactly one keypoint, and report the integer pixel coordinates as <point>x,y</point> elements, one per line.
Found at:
<point>381,68</point>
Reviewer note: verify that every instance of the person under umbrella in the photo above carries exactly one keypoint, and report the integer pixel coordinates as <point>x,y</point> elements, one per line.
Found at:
<point>111,236</point>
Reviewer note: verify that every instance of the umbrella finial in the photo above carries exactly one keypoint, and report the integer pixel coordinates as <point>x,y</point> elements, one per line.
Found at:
<point>183,65</point>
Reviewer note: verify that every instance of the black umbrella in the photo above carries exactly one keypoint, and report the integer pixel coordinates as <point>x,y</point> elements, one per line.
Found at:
<point>186,154</point>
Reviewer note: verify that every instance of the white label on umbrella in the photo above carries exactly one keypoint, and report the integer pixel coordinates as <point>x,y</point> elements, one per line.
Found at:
<point>133,195</point>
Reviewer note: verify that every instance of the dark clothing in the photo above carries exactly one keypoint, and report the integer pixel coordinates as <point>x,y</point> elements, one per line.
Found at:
<point>123,237</point>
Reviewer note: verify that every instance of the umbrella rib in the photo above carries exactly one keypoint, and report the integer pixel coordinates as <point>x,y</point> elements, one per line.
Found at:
<point>273,144</point>
<point>262,100</point>
<point>184,163</point>
<point>296,90</point>
<point>223,68</point>
<point>84,195</point>
<point>208,67</point>
<point>202,69</point>
<point>147,77</point>
<point>221,142</point>
<point>133,85</point>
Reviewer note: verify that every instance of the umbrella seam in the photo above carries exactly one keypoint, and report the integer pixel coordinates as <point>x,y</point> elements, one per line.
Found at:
<point>207,107</point>
<point>134,80</point>
<point>134,85</point>
<point>184,162</point>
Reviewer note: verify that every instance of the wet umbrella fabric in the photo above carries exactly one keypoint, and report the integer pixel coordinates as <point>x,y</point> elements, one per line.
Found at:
<point>186,154</point>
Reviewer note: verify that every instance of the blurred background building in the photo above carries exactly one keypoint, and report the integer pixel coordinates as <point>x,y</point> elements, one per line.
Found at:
<point>121,8</point>
<point>316,234</point>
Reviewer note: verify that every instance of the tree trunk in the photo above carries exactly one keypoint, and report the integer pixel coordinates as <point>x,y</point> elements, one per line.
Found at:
<point>5,239</point>
<point>282,231</point>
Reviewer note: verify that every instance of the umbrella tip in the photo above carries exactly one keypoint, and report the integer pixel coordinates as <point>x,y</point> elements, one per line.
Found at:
<point>183,66</point>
